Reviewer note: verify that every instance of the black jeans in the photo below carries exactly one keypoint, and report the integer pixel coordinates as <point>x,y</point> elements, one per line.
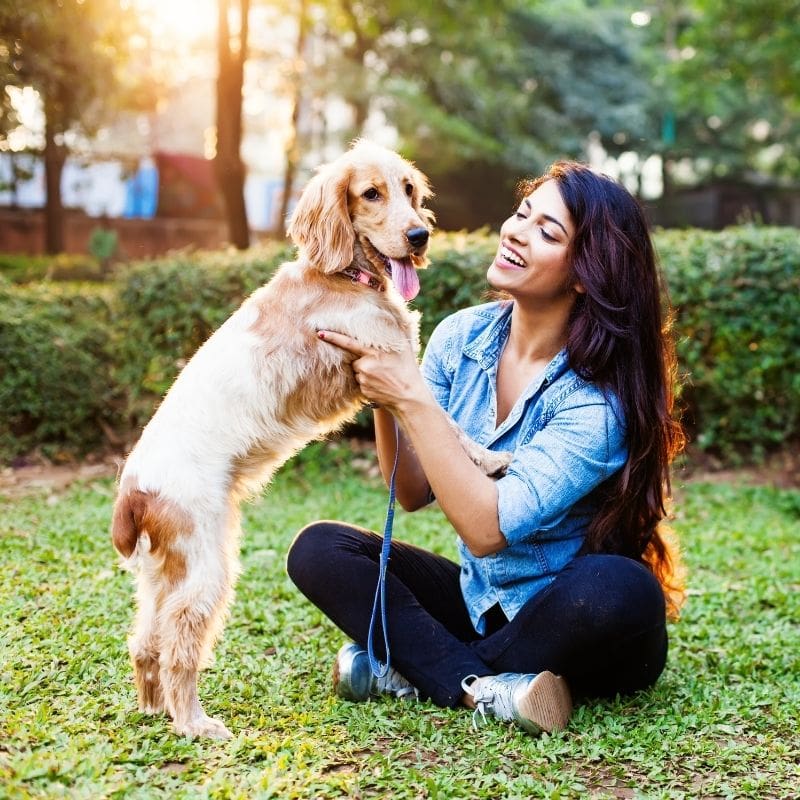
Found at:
<point>601,623</point>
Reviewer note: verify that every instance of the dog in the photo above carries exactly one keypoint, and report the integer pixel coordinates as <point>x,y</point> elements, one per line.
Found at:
<point>255,393</point>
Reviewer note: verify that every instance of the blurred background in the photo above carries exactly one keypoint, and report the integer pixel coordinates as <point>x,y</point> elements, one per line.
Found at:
<point>177,122</point>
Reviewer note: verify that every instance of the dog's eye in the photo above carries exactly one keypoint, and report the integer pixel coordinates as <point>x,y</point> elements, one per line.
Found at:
<point>371,194</point>
<point>409,189</point>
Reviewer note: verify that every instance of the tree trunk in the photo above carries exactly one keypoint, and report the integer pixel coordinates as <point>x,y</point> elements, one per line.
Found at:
<point>228,165</point>
<point>54,157</point>
<point>360,114</point>
<point>292,146</point>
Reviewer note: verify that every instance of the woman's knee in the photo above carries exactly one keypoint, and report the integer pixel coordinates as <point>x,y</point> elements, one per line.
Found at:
<point>308,552</point>
<point>625,626</point>
<point>322,549</point>
<point>619,590</point>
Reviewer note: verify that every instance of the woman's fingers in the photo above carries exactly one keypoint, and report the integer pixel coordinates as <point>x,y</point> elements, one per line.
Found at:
<point>343,341</point>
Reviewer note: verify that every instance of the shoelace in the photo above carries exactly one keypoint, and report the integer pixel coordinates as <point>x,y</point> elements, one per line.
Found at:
<point>394,683</point>
<point>489,695</point>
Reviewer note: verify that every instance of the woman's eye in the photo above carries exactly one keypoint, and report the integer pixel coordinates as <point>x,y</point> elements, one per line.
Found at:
<point>520,215</point>
<point>371,194</point>
<point>547,237</point>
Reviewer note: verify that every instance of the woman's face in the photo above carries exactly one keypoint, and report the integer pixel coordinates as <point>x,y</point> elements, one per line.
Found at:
<point>531,261</point>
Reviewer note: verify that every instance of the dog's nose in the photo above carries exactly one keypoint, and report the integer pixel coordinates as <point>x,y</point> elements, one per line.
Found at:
<point>417,237</point>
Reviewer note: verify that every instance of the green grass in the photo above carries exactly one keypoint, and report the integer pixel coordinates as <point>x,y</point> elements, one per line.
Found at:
<point>721,722</point>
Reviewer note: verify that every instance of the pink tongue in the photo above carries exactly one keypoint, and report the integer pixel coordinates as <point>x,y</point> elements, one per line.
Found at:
<point>405,278</point>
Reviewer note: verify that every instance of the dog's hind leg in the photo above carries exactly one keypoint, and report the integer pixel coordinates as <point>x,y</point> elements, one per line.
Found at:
<point>144,648</point>
<point>190,619</point>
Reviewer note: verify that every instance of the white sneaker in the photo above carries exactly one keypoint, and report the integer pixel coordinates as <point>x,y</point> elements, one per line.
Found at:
<point>536,703</point>
<point>353,678</point>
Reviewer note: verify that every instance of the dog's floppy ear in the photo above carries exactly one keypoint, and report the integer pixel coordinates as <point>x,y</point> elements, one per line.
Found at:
<point>422,192</point>
<point>321,225</point>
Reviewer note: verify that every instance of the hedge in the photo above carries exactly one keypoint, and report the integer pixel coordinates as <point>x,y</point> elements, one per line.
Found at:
<point>63,267</point>
<point>80,358</point>
<point>736,295</point>
<point>56,364</point>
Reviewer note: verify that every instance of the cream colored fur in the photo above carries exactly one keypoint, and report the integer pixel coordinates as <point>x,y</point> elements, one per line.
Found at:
<point>256,392</point>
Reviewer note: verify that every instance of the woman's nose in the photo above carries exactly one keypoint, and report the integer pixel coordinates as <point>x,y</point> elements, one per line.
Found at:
<point>516,230</point>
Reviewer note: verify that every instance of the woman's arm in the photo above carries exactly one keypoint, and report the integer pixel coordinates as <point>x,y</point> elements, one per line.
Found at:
<point>467,497</point>
<point>465,494</point>
<point>411,484</point>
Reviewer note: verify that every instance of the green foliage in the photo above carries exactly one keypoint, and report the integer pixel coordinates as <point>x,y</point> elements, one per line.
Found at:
<point>720,722</point>
<point>729,73</point>
<point>737,300</point>
<point>61,267</point>
<point>519,86</point>
<point>56,390</point>
<point>736,296</point>
<point>103,244</point>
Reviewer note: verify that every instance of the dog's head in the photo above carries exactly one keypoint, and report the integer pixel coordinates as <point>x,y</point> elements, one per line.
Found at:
<point>374,195</point>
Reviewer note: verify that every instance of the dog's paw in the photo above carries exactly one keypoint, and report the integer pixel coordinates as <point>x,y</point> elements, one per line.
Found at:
<point>203,727</point>
<point>494,464</point>
<point>151,708</point>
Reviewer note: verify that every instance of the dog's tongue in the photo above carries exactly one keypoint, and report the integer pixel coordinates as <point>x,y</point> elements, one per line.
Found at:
<point>405,277</point>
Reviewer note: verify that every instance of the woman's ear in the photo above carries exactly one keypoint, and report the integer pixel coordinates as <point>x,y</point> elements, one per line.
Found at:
<point>320,224</point>
<point>579,288</point>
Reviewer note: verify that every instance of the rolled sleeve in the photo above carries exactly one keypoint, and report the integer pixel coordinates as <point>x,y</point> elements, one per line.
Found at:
<point>581,445</point>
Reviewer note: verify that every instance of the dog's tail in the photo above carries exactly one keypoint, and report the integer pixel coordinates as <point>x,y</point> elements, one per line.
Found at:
<point>126,522</point>
<point>146,522</point>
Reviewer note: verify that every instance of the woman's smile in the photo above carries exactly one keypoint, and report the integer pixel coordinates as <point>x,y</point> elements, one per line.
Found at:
<point>508,258</point>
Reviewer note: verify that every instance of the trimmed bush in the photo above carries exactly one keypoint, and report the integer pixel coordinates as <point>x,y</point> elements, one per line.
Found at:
<point>56,384</point>
<point>63,267</point>
<point>736,295</point>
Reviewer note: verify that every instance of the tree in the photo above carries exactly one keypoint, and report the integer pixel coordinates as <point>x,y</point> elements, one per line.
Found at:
<point>228,164</point>
<point>729,88</point>
<point>71,52</point>
<point>484,103</point>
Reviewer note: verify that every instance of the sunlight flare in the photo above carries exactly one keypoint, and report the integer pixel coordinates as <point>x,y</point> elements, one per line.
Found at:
<point>188,20</point>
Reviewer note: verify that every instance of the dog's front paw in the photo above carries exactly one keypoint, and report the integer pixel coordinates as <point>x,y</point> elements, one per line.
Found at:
<point>203,726</point>
<point>494,464</point>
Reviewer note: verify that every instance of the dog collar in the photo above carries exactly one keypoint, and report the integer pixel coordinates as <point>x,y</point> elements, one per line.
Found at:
<point>359,276</point>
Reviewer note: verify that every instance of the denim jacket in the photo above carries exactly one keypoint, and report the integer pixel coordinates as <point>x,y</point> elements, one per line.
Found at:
<point>566,435</point>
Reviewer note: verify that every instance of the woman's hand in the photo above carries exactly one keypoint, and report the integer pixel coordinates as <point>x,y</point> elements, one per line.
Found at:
<point>385,378</point>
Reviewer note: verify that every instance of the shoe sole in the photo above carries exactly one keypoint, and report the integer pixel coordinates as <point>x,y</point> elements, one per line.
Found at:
<point>545,704</point>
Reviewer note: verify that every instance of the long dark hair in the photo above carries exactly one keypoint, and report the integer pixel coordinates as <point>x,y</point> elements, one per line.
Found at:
<point>619,338</point>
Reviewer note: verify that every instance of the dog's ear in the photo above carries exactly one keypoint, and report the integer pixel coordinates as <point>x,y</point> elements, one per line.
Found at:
<point>321,225</point>
<point>423,192</point>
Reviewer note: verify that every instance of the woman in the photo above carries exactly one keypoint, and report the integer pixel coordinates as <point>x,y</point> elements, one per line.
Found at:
<point>564,573</point>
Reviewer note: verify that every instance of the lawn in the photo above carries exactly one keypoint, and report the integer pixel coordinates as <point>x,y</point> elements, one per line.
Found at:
<point>722,721</point>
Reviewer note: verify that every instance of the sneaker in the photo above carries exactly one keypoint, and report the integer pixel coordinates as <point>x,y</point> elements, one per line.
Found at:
<point>536,703</point>
<point>353,679</point>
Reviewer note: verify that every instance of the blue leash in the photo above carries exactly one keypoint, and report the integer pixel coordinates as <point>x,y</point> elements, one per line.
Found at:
<point>378,670</point>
